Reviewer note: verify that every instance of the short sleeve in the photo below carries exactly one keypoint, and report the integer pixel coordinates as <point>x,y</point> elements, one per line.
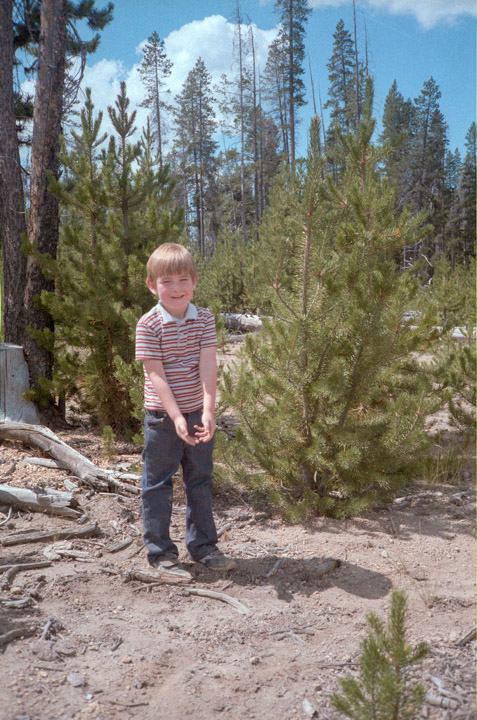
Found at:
<point>209,336</point>
<point>148,345</point>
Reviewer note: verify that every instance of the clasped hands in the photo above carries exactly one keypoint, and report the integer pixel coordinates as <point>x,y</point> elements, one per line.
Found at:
<point>203,433</point>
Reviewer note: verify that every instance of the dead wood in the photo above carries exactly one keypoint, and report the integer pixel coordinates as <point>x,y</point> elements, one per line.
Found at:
<point>43,462</point>
<point>121,545</point>
<point>18,539</point>
<point>4,522</point>
<point>327,566</point>
<point>44,500</point>
<point>221,596</point>
<point>468,637</point>
<point>69,459</point>
<point>148,576</point>
<point>20,632</point>
<point>13,570</point>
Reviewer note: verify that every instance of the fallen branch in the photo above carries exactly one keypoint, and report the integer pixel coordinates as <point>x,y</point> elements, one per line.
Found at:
<point>468,637</point>
<point>19,539</point>
<point>121,545</point>
<point>4,522</point>
<point>225,528</point>
<point>44,500</point>
<point>221,596</point>
<point>17,633</point>
<point>69,459</point>
<point>15,569</point>
<point>274,568</point>
<point>147,576</point>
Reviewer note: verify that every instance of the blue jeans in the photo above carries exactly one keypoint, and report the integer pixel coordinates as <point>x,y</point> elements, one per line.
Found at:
<point>163,452</point>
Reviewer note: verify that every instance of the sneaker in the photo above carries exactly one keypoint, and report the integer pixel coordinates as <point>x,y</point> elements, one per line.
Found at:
<point>216,560</point>
<point>170,567</point>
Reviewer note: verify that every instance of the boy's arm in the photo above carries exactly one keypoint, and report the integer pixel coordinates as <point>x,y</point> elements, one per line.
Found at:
<point>208,378</point>
<point>157,376</point>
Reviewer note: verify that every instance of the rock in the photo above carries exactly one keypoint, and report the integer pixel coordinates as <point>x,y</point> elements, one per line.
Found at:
<point>309,709</point>
<point>76,680</point>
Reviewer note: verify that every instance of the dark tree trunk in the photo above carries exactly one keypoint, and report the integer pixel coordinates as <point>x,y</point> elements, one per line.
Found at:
<point>12,204</point>
<point>44,218</point>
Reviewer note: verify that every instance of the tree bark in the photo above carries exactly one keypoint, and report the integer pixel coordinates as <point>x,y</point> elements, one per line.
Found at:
<point>12,203</point>
<point>44,217</point>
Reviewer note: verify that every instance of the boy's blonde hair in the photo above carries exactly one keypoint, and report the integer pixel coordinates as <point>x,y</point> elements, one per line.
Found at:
<point>170,259</point>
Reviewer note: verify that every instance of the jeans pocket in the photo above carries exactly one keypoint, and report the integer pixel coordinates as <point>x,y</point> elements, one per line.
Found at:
<point>156,421</point>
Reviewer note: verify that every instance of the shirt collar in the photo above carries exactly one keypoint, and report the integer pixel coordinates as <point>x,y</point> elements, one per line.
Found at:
<point>191,314</point>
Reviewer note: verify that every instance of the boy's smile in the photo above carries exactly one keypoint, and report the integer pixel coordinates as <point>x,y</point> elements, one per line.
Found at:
<point>174,291</point>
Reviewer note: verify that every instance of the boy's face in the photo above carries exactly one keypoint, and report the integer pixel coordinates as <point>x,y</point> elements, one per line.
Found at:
<point>174,291</point>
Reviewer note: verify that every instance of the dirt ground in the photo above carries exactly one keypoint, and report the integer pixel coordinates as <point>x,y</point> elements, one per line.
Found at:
<point>105,648</point>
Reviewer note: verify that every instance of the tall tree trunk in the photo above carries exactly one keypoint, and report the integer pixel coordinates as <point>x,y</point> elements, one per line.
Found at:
<point>44,218</point>
<point>291,89</point>
<point>12,202</point>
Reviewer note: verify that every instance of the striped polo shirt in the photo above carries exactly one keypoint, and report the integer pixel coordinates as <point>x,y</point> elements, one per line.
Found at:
<point>177,344</point>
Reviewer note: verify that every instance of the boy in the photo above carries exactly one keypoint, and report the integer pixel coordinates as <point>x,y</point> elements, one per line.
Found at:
<point>176,342</point>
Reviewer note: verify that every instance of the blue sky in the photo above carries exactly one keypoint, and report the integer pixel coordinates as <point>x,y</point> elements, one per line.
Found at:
<point>408,40</point>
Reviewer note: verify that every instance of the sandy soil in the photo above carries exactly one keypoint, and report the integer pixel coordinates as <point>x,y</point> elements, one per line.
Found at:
<point>104,648</point>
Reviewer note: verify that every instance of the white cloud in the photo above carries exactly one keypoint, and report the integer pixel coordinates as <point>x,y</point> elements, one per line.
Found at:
<point>427,12</point>
<point>212,39</point>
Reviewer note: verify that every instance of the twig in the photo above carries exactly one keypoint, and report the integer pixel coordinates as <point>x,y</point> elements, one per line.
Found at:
<point>46,629</point>
<point>17,633</point>
<point>18,539</point>
<point>121,545</point>
<point>14,569</point>
<point>274,568</point>
<point>220,596</point>
<point>136,552</point>
<point>468,637</point>
<point>4,522</point>
<point>224,529</point>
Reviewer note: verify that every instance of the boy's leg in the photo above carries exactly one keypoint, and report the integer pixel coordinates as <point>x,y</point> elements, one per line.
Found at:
<point>197,465</point>
<point>162,455</point>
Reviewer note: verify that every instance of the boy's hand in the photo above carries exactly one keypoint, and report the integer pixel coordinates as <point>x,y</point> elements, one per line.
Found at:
<point>180,425</point>
<point>205,432</point>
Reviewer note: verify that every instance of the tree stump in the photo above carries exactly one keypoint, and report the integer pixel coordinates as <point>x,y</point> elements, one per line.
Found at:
<point>14,381</point>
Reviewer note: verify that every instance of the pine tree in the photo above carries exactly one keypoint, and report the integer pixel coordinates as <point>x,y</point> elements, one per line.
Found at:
<point>194,154</point>
<point>383,689</point>
<point>154,69</point>
<point>293,17</point>
<point>346,93</point>
<point>397,136</point>
<point>330,399</point>
<point>99,273</point>
<point>274,91</point>
<point>467,194</point>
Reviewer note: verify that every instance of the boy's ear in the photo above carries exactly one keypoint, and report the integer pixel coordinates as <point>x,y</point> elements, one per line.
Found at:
<point>195,280</point>
<point>151,285</point>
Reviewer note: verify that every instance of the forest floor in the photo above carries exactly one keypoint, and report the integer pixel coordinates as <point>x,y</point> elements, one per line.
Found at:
<point>105,648</point>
